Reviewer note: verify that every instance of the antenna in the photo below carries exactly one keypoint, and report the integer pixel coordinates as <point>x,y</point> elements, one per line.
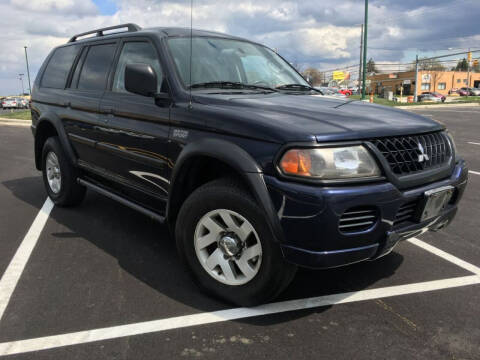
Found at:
<point>191,51</point>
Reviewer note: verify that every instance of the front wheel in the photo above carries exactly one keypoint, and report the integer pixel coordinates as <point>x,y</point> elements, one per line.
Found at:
<point>224,238</point>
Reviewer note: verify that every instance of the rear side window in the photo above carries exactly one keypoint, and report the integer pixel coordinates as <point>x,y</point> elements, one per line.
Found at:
<point>94,71</point>
<point>58,67</point>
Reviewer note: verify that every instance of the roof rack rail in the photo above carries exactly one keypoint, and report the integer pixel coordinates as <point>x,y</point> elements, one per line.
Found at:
<point>99,32</point>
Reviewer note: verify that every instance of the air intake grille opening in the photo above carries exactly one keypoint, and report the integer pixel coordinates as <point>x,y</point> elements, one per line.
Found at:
<point>412,154</point>
<point>358,219</point>
<point>406,212</point>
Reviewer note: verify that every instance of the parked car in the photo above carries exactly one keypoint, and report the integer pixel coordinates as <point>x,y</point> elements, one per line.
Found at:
<point>10,103</point>
<point>474,91</point>
<point>255,172</point>
<point>464,91</point>
<point>346,92</point>
<point>328,91</point>
<point>22,103</point>
<point>438,97</point>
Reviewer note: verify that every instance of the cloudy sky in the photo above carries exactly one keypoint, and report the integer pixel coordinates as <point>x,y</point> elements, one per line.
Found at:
<point>320,33</point>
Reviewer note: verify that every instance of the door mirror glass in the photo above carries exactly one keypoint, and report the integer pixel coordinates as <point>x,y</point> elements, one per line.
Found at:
<point>141,79</point>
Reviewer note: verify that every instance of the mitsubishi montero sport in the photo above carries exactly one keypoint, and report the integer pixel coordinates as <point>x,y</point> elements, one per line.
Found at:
<point>254,171</point>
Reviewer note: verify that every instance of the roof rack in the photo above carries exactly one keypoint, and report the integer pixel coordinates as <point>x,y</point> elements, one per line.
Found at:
<point>99,32</point>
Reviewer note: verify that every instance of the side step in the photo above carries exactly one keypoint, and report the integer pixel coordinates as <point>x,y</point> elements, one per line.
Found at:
<point>121,200</point>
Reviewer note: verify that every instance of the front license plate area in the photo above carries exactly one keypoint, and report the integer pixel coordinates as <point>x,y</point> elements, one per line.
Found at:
<point>434,202</point>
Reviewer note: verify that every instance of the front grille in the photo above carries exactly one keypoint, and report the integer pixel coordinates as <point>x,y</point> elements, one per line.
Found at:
<point>406,212</point>
<point>358,219</point>
<point>412,154</point>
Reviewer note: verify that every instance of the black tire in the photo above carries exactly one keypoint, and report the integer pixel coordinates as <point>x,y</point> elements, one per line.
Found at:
<point>70,193</point>
<point>274,274</point>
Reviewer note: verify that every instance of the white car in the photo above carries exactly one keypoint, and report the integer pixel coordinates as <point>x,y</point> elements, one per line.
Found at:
<point>11,103</point>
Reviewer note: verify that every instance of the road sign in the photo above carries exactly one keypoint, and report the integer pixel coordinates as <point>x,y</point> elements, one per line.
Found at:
<point>469,56</point>
<point>338,75</point>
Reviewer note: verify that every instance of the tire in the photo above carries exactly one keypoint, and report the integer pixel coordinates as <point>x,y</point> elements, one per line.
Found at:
<point>272,272</point>
<point>66,192</point>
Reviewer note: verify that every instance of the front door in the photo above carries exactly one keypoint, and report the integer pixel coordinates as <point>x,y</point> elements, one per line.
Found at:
<point>134,131</point>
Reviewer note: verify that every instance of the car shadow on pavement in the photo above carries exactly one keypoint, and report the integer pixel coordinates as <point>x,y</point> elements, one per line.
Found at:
<point>145,249</point>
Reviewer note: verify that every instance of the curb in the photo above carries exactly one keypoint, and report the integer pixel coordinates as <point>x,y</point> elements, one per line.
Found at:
<point>15,121</point>
<point>406,107</point>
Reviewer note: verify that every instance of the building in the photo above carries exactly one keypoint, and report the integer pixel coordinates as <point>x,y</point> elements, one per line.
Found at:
<point>405,82</point>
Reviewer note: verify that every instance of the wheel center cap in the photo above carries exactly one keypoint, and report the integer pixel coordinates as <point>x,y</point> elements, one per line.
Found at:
<point>230,245</point>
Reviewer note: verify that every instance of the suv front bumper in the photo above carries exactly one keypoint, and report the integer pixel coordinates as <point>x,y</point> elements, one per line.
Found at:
<point>310,217</point>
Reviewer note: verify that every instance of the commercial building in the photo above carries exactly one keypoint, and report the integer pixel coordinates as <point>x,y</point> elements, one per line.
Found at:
<point>405,82</point>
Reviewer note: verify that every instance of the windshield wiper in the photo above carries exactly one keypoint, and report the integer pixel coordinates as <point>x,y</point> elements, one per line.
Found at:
<point>229,85</point>
<point>299,87</point>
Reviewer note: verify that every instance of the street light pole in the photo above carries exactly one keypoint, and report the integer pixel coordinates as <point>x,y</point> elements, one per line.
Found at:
<point>21,80</point>
<point>28,72</point>
<point>365,30</point>
<point>415,94</point>
<point>360,66</point>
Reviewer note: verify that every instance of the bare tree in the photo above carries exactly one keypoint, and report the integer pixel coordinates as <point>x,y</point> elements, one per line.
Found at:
<point>314,76</point>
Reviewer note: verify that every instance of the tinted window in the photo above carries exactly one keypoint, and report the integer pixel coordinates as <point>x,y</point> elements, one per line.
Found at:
<point>136,53</point>
<point>95,68</point>
<point>56,73</point>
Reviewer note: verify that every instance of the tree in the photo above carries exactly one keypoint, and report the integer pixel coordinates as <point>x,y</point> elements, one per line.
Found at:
<point>429,65</point>
<point>462,65</point>
<point>371,67</point>
<point>314,76</point>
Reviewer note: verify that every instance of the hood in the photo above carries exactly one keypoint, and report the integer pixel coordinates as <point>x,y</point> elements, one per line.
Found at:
<point>285,117</point>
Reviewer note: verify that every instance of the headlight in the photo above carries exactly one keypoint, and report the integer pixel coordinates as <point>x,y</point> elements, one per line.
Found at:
<point>330,163</point>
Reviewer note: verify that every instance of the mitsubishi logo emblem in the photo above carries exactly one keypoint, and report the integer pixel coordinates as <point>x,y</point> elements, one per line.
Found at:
<point>422,156</point>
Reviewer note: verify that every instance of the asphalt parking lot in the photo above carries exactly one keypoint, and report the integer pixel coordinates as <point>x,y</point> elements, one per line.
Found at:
<point>103,282</point>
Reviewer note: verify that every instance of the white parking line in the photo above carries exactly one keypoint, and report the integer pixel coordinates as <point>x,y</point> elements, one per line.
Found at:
<point>473,172</point>
<point>473,143</point>
<point>81,337</point>
<point>10,278</point>
<point>444,255</point>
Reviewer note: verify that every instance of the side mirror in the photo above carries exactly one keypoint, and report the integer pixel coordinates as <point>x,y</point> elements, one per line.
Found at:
<point>141,79</point>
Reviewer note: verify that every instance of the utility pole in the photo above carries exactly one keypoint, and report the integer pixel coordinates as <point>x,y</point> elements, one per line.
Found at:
<point>469,59</point>
<point>365,31</point>
<point>28,72</point>
<point>415,94</point>
<point>360,66</point>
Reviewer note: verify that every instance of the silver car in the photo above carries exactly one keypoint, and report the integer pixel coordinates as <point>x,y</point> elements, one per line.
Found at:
<point>474,91</point>
<point>10,103</point>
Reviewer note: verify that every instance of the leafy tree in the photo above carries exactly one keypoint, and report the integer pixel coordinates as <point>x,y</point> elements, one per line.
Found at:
<point>462,65</point>
<point>371,67</point>
<point>314,76</point>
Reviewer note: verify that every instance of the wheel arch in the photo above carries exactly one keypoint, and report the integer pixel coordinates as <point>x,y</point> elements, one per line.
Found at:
<point>50,125</point>
<point>232,161</point>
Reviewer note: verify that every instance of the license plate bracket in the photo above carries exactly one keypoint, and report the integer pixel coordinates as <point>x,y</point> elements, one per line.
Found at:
<point>434,202</point>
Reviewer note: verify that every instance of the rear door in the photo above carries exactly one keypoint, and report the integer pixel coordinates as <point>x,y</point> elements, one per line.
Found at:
<point>86,87</point>
<point>134,129</point>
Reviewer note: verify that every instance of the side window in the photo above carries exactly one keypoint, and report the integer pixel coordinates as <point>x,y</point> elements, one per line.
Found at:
<point>136,53</point>
<point>93,75</point>
<point>58,67</point>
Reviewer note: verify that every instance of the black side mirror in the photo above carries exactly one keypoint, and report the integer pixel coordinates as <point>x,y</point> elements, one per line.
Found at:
<point>141,79</point>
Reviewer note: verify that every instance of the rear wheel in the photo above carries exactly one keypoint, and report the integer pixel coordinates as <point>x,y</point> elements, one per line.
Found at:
<point>60,176</point>
<point>223,236</point>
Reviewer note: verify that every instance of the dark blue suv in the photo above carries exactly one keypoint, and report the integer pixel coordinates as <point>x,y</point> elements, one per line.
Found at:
<point>254,171</point>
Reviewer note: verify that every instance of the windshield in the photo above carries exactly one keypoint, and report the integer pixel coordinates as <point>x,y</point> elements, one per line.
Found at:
<point>226,60</point>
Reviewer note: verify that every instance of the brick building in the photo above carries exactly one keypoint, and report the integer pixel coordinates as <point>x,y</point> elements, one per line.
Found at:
<point>439,81</point>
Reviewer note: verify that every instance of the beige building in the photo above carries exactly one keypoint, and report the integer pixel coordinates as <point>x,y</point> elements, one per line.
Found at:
<point>405,82</point>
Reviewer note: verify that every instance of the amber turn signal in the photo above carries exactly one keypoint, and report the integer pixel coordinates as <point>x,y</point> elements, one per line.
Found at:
<point>296,162</point>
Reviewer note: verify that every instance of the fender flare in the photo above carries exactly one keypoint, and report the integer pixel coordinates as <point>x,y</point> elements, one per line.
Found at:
<point>239,160</point>
<point>54,120</point>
